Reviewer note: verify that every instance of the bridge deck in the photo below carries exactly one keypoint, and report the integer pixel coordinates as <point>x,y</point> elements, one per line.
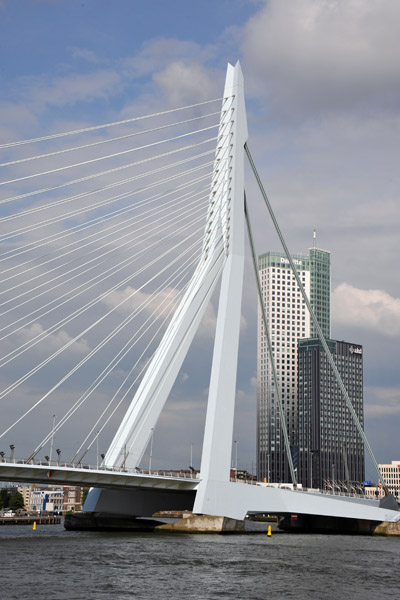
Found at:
<point>232,499</point>
<point>87,476</point>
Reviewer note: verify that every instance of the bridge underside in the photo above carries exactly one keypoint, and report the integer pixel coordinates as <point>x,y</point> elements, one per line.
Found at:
<point>139,502</point>
<point>317,524</point>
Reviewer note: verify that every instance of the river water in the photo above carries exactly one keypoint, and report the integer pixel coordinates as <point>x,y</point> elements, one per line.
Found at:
<point>54,564</point>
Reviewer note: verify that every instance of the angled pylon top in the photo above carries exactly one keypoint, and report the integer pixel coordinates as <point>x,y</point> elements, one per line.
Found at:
<point>223,252</point>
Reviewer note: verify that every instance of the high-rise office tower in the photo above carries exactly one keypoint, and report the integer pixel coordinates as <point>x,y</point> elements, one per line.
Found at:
<point>320,290</point>
<point>288,321</point>
<point>331,452</point>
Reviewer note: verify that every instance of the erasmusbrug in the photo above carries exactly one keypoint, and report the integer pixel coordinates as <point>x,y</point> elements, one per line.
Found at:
<point>114,238</point>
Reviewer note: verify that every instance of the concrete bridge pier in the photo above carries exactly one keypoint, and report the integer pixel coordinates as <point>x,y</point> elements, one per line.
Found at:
<point>107,509</point>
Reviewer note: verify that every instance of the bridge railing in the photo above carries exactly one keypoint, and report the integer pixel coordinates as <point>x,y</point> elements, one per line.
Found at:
<point>173,474</point>
<point>180,474</point>
<point>289,487</point>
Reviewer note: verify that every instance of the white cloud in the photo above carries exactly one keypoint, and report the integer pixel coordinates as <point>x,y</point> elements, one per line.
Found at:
<point>184,82</point>
<point>85,54</point>
<point>324,54</point>
<point>67,90</point>
<point>15,120</point>
<point>160,305</point>
<point>157,54</point>
<point>180,74</point>
<point>208,323</point>
<point>367,309</point>
<point>53,341</point>
<point>133,299</point>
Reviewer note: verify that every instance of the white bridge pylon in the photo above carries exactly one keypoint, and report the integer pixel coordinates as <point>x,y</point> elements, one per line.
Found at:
<point>222,256</point>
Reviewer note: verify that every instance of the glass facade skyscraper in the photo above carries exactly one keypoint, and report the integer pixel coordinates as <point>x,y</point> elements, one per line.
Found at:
<point>320,290</point>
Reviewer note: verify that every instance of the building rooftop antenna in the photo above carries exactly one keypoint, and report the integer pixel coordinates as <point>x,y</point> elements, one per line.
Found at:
<point>314,239</point>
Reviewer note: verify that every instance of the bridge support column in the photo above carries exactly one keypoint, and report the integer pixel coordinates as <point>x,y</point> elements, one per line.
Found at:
<point>218,433</point>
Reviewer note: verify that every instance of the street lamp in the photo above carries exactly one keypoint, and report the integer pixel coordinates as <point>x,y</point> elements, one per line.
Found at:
<point>97,449</point>
<point>58,456</point>
<point>236,463</point>
<point>151,448</point>
<point>191,456</point>
<point>52,437</point>
<point>12,447</point>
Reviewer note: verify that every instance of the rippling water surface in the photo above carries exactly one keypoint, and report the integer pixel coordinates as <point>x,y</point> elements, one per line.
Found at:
<point>54,564</point>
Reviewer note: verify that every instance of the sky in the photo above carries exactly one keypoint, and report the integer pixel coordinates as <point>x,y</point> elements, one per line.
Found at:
<point>323,105</point>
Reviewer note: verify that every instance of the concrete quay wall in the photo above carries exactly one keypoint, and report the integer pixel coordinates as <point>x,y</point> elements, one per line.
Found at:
<point>30,520</point>
<point>387,528</point>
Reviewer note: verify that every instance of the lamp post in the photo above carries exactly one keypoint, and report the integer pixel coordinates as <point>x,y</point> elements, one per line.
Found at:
<point>52,438</point>
<point>151,448</point>
<point>126,452</point>
<point>12,447</point>
<point>97,450</point>
<point>191,456</point>
<point>236,460</point>
<point>58,456</point>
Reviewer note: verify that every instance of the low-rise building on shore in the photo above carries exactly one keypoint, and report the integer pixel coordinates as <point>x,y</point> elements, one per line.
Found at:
<point>391,474</point>
<point>49,498</point>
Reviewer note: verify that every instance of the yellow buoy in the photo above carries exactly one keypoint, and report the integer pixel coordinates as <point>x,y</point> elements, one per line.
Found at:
<point>34,525</point>
<point>269,531</point>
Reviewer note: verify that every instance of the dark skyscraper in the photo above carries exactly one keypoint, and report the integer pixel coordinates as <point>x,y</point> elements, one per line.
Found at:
<point>330,448</point>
